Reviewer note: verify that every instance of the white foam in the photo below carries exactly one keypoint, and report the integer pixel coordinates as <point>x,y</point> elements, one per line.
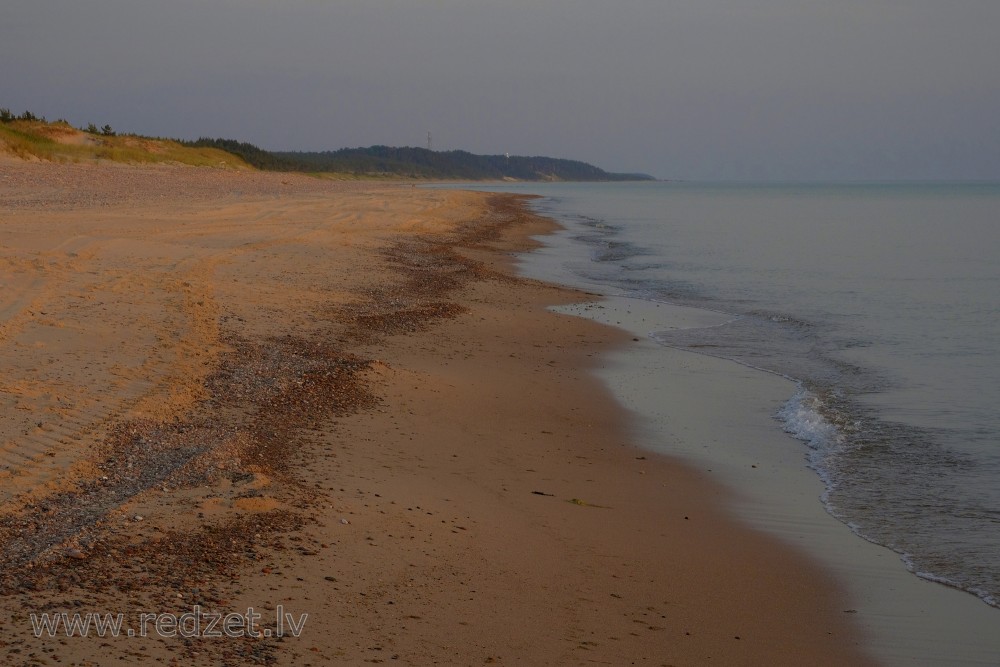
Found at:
<point>803,420</point>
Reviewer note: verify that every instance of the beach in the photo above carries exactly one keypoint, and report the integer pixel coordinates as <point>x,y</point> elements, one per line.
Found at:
<point>807,374</point>
<point>337,404</point>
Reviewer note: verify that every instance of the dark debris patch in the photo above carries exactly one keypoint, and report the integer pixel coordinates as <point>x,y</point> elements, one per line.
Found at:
<point>171,572</point>
<point>404,320</point>
<point>428,269</point>
<point>144,454</point>
<point>167,563</point>
<point>267,393</point>
<point>283,386</point>
<point>262,397</point>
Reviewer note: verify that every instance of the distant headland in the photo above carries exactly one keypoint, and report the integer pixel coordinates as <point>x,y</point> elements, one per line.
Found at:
<point>32,137</point>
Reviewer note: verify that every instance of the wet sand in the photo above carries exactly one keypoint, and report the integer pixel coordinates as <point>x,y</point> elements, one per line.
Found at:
<point>238,390</point>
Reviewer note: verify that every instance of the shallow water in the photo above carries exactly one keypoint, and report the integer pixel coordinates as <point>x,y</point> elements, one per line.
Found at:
<point>882,301</point>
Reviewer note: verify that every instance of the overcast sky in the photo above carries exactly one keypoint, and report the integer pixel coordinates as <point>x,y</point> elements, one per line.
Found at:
<point>696,89</point>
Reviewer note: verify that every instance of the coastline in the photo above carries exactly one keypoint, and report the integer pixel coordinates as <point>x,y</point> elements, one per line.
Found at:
<point>399,441</point>
<point>719,416</point>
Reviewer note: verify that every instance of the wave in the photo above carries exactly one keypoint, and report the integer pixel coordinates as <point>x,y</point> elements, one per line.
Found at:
<point>909,488</point>
<point>803,419</point>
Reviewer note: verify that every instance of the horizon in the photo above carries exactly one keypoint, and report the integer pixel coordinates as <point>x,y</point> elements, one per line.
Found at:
<point>652,178</point>
<point>718,90</point>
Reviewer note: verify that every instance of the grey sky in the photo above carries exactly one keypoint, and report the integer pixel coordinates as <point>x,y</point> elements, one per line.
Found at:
<point>779,89</point>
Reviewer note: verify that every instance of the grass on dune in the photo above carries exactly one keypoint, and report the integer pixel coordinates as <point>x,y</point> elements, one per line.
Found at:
<point>60,142</point>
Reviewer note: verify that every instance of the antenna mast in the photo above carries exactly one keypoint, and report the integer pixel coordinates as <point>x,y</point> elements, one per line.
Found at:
<point>429,143</point>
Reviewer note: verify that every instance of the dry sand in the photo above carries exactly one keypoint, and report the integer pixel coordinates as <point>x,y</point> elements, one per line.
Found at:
<point>239,390</point>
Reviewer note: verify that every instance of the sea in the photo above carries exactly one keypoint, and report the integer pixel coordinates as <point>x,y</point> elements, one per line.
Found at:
<point>880,301</point>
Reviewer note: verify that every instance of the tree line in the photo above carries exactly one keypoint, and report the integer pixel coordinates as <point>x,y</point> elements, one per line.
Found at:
<point>418,163</point>
<point>6,116</point>
<point>404,162</point>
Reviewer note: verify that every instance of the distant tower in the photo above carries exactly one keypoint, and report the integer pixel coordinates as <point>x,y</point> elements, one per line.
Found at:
<point>429,143</point>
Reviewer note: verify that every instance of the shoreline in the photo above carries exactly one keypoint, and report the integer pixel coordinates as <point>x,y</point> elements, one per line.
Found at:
<point>906,618</point>
<point>384,429</point>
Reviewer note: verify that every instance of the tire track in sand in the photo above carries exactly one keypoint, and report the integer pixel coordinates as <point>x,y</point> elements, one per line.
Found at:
<point>93,339</point>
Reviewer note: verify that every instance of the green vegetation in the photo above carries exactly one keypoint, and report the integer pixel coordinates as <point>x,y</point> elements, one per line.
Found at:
<point>250,154</point>
<point>419,163</point>
<point>31,136</point>
<point>423,163</point>
<point>106,131</point>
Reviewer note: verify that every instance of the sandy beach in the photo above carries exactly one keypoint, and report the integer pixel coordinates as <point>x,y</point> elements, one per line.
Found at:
<point>335,404</point>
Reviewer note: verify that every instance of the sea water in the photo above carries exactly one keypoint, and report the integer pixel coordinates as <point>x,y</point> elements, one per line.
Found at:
<point>880,301</point>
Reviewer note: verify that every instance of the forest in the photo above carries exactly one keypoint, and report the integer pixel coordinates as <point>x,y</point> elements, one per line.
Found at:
<point>418,163</point>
